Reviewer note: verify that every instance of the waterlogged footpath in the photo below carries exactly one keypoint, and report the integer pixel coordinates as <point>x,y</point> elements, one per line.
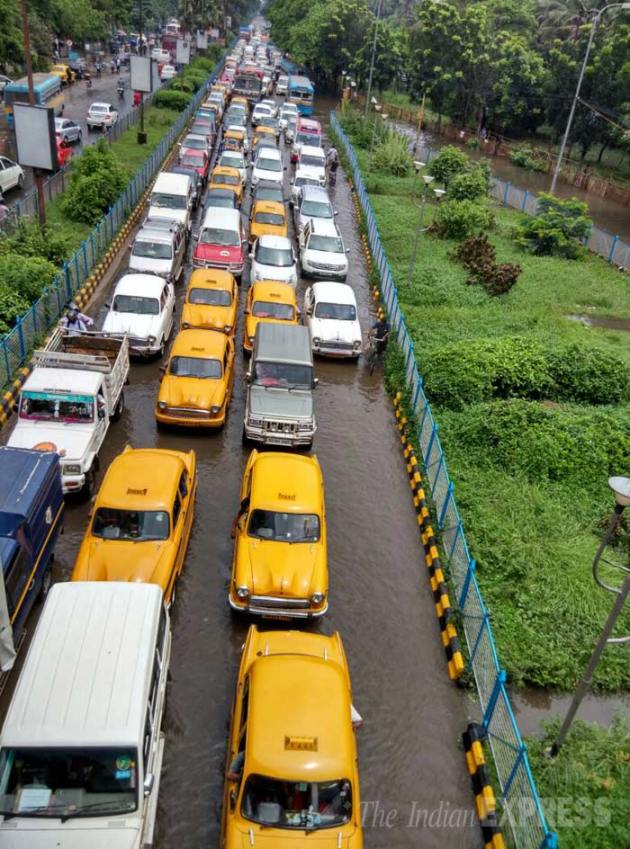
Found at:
<point>414,783</point>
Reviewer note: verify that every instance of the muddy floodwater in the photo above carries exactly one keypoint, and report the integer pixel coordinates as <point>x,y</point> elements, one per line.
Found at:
<point>414,783</point>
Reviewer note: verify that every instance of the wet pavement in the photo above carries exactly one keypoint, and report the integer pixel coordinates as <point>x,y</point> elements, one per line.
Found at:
<point>414,783</point>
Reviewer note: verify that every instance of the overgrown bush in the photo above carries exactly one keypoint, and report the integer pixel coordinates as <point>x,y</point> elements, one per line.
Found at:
<point>183,84</point>
<point>473,143</point>
<point>392,155</point>
<point>27,276</point>
<point>169,99</point>
<point>472,184</point>
<point>478,255</point>
<point>525,157</point>
<point>470,372</point>
<point>557,229</point>
<point>362,128</point>
<point>458,219</point>
<point>96,181</point>
<point>449,162</point>
<point>12,305</point>
<point>29,239</point>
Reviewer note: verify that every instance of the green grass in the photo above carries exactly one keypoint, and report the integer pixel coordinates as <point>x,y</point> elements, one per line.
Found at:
<point>533,535</point>
<point>586,788</point>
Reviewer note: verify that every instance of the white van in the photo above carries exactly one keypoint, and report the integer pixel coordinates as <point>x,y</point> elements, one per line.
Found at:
<point>81,747</point>
<point>172,198</point>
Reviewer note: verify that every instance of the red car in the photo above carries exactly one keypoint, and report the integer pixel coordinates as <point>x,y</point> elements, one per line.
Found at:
<point>64,152</point>
<point>198,159</point>
<point>221,242</point>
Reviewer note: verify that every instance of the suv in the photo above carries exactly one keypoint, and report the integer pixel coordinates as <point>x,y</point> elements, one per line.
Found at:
<point>159,248</point>
<point>313,203</point>
<point>279,407</point>
<point>101,115</point>
<point>322,252</point>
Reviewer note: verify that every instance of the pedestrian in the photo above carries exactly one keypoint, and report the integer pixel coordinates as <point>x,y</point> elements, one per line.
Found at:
<point>76,321</point>
<point>98,69</point>
<point>118,64</point>
<point>137,98</point>
<point>112,67</point>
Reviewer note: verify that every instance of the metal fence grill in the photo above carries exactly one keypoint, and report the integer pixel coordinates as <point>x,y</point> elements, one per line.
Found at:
<point>524,819</point>
<point>16,346</point>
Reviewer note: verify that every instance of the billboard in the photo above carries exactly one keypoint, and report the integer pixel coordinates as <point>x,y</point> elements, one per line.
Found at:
<point>182,56</point>
<point>202,40</point>
<point>141,76</point>
<point>35,136</point>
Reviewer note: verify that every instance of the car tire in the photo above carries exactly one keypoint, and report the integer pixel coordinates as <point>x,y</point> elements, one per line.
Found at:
<point>20,182</point>
<point>89,486</point>
<point>162,348</point>
<point>120,408</point>
<point>46,582</point>
<point>80,137</point>
<point>244,438</point>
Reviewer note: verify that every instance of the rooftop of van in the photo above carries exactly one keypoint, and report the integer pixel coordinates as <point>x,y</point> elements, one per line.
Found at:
<point>284,343</point>
<point>222,217</point>
<point>172,184</point>
<point>86,677</point>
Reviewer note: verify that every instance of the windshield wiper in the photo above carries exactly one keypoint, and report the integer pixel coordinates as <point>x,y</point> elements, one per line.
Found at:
<point>9,815</point>
<point>94,806</point>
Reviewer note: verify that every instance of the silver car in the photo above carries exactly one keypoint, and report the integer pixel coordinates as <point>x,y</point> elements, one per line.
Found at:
<point>69,130</point>
<point>159,248</point>
<point>313,202</point>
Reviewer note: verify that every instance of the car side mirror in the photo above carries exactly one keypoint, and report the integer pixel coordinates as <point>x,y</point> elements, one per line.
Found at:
<point>246,312</point>
<point>109,306</point>
<point>149,781</point>
<point>336,212</point>
<point>248,376</point>
<point>347,250</point>
<point>232,799</point>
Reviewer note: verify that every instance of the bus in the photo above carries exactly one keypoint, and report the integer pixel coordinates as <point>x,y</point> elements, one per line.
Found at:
<point>47,89</point>
<point>301,92</point>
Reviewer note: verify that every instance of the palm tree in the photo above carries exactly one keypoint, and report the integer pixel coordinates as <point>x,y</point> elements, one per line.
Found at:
<point>564,18</point>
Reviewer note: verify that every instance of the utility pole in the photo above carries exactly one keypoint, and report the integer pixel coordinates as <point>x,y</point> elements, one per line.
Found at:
<point>142,136</point>
<point>369,88</point>
<point>39,180</point>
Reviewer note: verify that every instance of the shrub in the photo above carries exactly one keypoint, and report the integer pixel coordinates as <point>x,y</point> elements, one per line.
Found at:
<point>361,128</point>
<point>97,180</point>
<point>469,185</point>
<point>469,372</point>
<point>525,157</point>
<point>473,143</point>
<point>478,255</point>
<point>27,276</point>
<point>558,228</point>
<point>169,99</point>
<point>181,84</point>
<point>458,219</point>
<point>392,156</point>
<point>29,239</point>
<point>449,162</point>
<point>12,305</point>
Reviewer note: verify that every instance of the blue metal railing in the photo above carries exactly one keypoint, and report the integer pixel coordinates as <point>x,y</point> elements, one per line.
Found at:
<point>17,345</point>
<point>523,815</point>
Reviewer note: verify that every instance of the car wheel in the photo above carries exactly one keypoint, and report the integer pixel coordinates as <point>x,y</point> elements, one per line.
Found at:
<point>46,582</point>
<point>162,347</point>
<point>120,408</point>
<point>80,136</point>
<point>20,181</point>
<point>244,438</point>
<point>89,485</point>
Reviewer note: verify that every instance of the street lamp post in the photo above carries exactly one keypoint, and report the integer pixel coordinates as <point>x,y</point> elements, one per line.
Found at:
<point>427,180</point>
<point>377,109</point>
<point>621,489</point>
<point>576,96</point>
<point>369,88</point>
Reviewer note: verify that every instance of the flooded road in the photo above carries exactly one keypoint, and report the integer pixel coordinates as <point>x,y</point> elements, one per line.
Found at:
<point>412,769</point>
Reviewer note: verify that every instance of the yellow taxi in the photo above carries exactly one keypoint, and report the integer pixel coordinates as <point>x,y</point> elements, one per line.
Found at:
<point>279,567</point>
<point>223,177</point>
<point>64,72</point>
<point>268,301</point>
<point>267,218</point>
<point>264,132</point>
<point>292,774</point>
<point>236,139</point>
<point>211,301</point>
<point>242,100</point>
<point>197,381</point>
<point>141,520</point>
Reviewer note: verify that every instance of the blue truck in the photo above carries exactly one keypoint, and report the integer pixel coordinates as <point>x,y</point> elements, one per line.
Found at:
<point>31,518</point>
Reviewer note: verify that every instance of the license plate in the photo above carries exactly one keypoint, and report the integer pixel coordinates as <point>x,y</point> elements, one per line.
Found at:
<point>277,616</point>
<point>277,441</point>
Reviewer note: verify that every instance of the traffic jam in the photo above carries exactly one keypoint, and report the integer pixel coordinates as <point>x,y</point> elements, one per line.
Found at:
<point>240,232</point>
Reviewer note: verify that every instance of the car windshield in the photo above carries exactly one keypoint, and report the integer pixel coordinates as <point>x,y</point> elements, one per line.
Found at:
<point>283,375</point>
<point>68,781</point>
<point>278,257</point>
<point>137,304</point>
<point>59,408</point>
<point>340,312</point>
<point>136,525</point>
<point>269,218</point>
<point>329,244</point>
<point>284,527</point>
<point>218,236</point>
<point>312,160</point>
<point>196,144</point>
<point>152,250</point>
<point>210,297</point>
<point>269,193</point>
<point>308,138</point>
<point>222,201</point>
<point>226,179</point>
<point>197,161</point>
<point>195,367</point>
<point>202,129</point>
<point>232,161</point>
<point>99,108</point>
<point>268,121</point>
<point>267,164</point>
<point>306,181</point>
<point>316,209</point>
<point>297,804</point>
<point>164,201</point>
<point>269,309</point>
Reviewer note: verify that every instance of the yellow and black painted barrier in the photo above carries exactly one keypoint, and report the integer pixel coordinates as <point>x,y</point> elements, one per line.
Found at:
<point>442,603</point>
<point>485,800</point>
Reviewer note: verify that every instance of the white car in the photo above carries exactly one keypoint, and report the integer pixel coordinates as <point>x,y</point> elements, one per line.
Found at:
<point>11,175</point>
<point>101,115</point>
<point>195,141</point>
<point>288,112</point>
<point>312,161</point>
<point>268,166</point>
<point>69,130</point>
<point>234,159</point>
<point>168,72</point>
<point>313,202</point>
<point>272,105</point>
<point>282,84</point>
<point>322,252</point>
<point>273,258</point>
<point>142,307</point>
<point>160,55</point>
<point>303,177</point>
<point>260,109</point>
<point>330,313</point>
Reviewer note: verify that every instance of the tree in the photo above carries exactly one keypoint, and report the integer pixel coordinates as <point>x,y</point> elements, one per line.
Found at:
<point>515,104</point>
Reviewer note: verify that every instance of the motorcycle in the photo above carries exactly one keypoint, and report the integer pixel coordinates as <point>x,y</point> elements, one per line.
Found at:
<point>120,88</point>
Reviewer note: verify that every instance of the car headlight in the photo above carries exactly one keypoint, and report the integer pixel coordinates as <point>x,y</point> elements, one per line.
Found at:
<point>72,469</point>
<point>317,598</point>
<point>316,341</point>
<point>251,339</point>
<point>305,425</point>
<point>151,340</point>
<point>185,325</point>
<point>214,409</point>
<point>162,405</point>
<point>254,421</point>
<point>242,592</point>
<point>357,344</point>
